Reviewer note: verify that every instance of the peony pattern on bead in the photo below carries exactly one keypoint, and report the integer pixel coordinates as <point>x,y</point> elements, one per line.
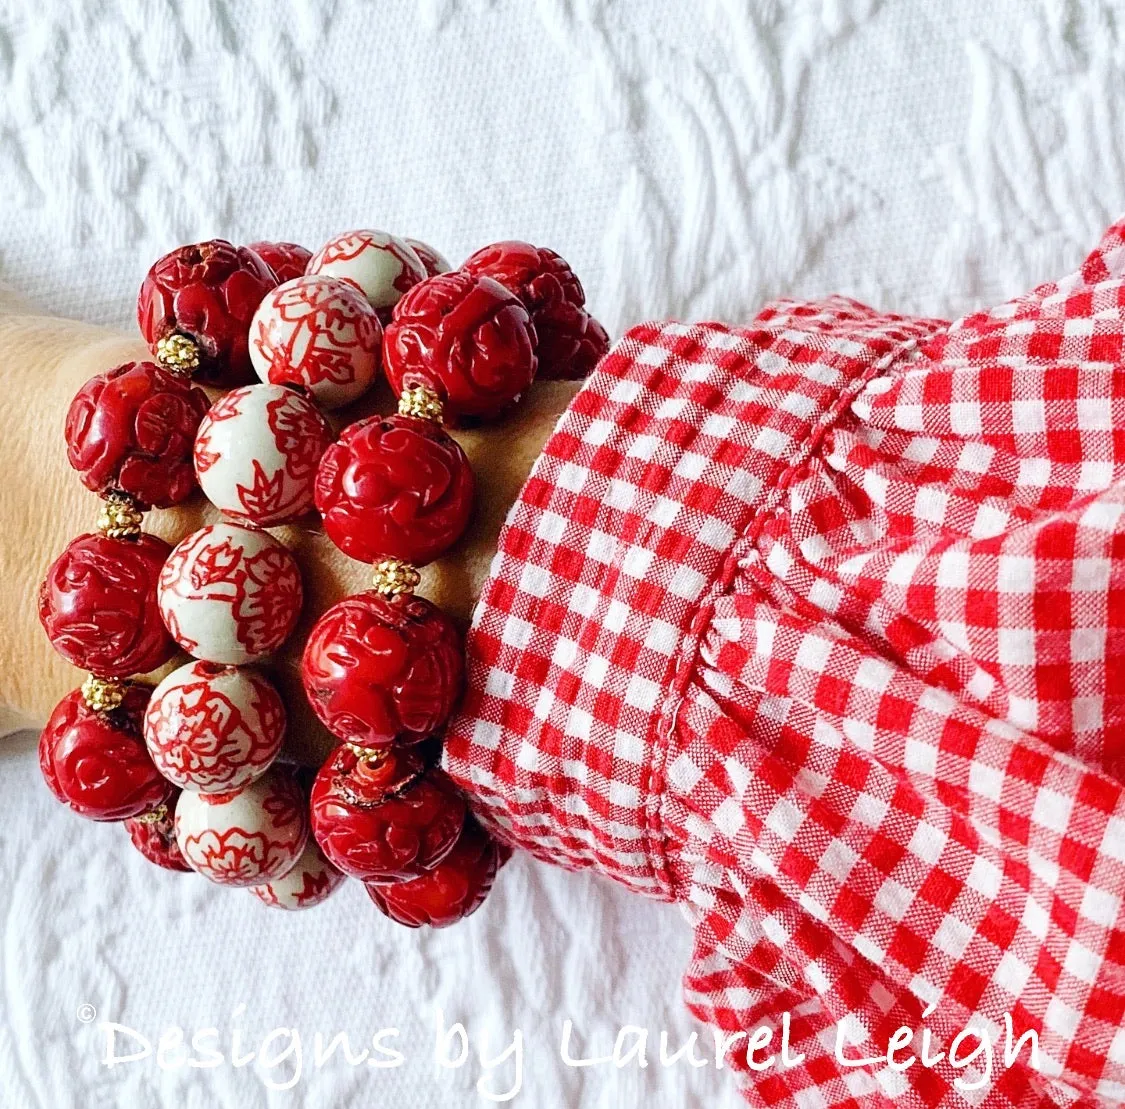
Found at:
<point>230,594</point>
<point>318,333</point>
<point>312,880</point>
<point>257,451</point>
<point>248,837</point>
<point>434,261</point>
<point>212,728</point>
<point>381,266</point>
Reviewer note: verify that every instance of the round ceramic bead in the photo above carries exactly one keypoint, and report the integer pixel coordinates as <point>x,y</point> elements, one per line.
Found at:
<point>96,762</point>
<point>230,594</point>
<point>246,838</point>
<point>257,451</point>
<point>394,487</point>
<point>212,728</point>
<point>318,333</point>
<point>312,880</point>
<point>385,819</point>
<point>154,836</point>
<point>208,292</point>
<point>381,266</point>
<point>434,261</point>
<point>98,605</point>
<point>466,338</point>
<point>452,890</point>
<point>381,670</point>
<point>287,260</point>
<point>130,430</point>
<point>571,341</point>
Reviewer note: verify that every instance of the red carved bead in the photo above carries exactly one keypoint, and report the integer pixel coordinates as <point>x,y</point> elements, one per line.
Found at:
<point>156,839</point>
<point>394,487</point>
<point>571,341</point>
<point>434,261</point>
<point>452,890</point>
<point>287,260</point>
<point>467,338</point>
<point>131,430</point>
<point>380,670</point>
<point>208,292</point>
<point>98,607</point>
<point>97,762</point>
<point>385,820</point>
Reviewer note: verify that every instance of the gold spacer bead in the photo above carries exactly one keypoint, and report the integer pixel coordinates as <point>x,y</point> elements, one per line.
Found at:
<point>178,354</point>
<point>420,401</point>
<point>154,816</point>
<point>366,754</point>
<point>392,577</point>
<point>120,517</point>
<point>103,694</point>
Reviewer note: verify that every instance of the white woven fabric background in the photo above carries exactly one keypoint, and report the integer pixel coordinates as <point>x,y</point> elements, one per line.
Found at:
<point>691,159</point>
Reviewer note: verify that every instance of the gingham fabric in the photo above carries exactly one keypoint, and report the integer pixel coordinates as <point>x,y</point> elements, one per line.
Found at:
<point>817,627</point>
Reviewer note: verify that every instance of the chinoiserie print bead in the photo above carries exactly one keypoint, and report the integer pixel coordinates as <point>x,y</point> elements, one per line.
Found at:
<point>380,670</point>
<point>434,261</point>
<point>257,451</point>
<point>97,763</point>
<point>98,605</point>
<point>380,265</point>
<point>287,260</point>
<point>452,890</point>
<point>466,338</point>
<point>230,594</point>
<point>395,487</point>
<point>318,333</point>
<point>249,837</point>
<point>207,292</point>
<point>213,728</point>
<point>131,430</point>
<point>153,834</point>
<point>386,819</point>
<point>312,880</point>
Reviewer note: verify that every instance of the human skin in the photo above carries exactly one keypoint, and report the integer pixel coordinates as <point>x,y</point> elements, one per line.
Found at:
<point>43,505</point>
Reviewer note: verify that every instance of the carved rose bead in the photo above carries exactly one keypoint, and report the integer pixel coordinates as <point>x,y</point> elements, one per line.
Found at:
<point>381,670</point>
<point>312,880</point>
<point>131,430</point>
<point>452,890</point>
<point>97,762</point>
<point>381,266</point>
<point>230,594</point>
<point>434,261</point>
<point>384,820</point>
<point>212,728</point>
<point>98,605</point>
<point>287,260</point>
<point>246,838</point>
<point>571,341</point>
<point>156,838</point>
<point>318,333</point>
<point>395,487</point>
<point>467,338</point>
<point>257,451</point>
<point>208,292</point>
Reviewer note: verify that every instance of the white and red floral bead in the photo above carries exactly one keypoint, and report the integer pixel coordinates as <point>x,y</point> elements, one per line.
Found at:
<point>212,729</point>
<point>434,261</point>
<point>319,333</point>
<point>312,880</point>
<point>257,451</point>
<point>249,837</point>
<point>380,265</point>
<point>230,594</point>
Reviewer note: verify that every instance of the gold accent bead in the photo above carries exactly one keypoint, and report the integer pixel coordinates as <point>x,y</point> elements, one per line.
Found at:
<point>366,754</point>
<point>120,517</point>
<point>154,816</point>
<point>103,694</point>
<point>420,401</point>
<point>178,354</point>
<point>392,576</point>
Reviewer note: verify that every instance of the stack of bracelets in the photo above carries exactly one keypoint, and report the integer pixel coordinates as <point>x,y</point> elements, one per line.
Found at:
<point>191,766</point>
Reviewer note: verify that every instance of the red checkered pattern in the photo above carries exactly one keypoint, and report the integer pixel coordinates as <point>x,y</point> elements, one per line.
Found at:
<point>817,627</point>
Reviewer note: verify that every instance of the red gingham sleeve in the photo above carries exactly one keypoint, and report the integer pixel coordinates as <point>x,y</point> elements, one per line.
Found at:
<point>817,627</point>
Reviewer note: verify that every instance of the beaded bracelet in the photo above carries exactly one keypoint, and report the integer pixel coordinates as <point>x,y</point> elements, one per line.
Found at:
<point>192,766</point>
